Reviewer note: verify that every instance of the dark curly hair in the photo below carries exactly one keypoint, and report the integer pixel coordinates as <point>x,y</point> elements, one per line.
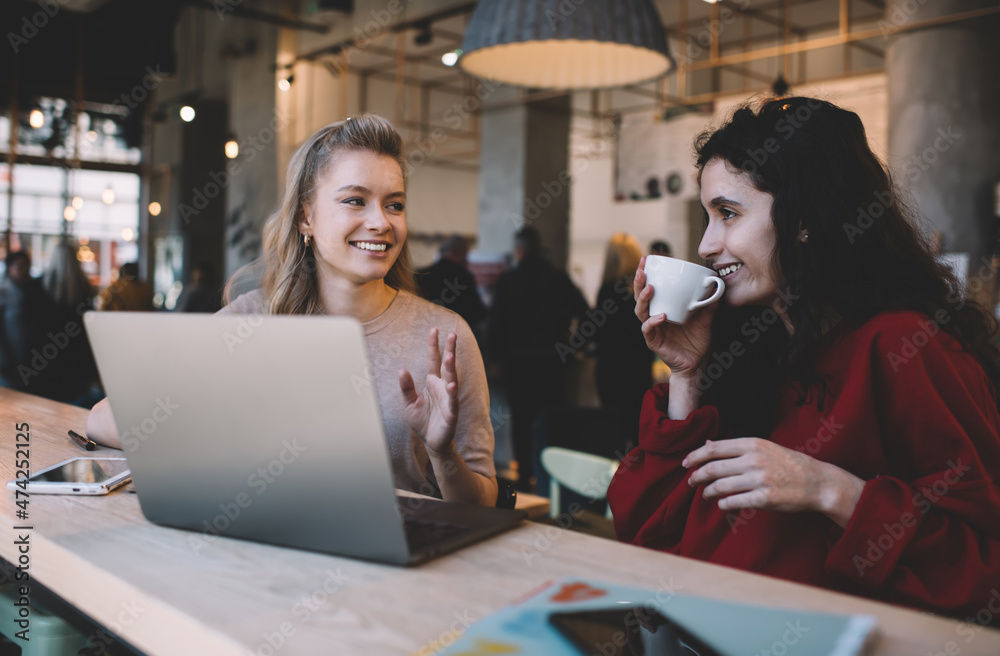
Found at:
<point>865,254</point>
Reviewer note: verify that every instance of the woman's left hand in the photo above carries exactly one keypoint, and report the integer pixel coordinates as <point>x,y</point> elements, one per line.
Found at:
<point>750,472</point>
<point>433,414</point>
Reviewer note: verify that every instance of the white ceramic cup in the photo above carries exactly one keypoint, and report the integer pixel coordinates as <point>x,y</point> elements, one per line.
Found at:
<point>679,287</point>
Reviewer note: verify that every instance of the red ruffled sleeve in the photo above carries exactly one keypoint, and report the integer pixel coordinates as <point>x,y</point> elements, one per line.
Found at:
<point>933,539</point>
<point>649,502</point>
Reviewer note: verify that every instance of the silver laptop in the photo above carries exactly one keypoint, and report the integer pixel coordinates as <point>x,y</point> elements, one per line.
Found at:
<point>267,428</point>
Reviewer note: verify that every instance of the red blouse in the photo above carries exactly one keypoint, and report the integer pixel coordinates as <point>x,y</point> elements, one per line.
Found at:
<point>910,413</point>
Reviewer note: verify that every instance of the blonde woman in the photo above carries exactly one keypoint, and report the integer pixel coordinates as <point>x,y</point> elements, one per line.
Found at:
<point>71,376</point>
<point>624,364</point>
<point>337,246</point>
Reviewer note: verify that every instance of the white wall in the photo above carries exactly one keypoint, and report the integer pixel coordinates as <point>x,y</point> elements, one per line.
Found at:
<point>595,215</point>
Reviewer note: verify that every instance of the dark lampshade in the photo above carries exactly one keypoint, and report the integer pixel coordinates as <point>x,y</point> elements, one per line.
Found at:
<point>566,44</point>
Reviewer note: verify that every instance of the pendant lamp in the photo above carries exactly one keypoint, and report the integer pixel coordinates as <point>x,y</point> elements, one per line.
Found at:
<point>566,44</point>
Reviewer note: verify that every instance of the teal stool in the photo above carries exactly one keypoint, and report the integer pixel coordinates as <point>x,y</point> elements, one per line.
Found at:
<point>49,635</point>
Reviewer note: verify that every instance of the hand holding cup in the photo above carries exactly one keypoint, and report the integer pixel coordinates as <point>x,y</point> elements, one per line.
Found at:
<point>676,321</point>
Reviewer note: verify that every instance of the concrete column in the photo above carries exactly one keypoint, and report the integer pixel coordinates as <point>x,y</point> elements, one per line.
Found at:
<point>524,173</point>
<point>944,118</point>
<point>203,185</point>
<point>259,124</point>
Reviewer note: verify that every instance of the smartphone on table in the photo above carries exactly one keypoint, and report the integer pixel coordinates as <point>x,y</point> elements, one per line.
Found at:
<point>628,631</point>
<point>83,476</point>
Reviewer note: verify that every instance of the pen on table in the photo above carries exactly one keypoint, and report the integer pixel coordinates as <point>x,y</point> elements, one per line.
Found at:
<point>83,441</point>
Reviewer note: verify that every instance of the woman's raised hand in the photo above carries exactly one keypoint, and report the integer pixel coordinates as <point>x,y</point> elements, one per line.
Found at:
<point>681,347</point>
<point>433,414</point>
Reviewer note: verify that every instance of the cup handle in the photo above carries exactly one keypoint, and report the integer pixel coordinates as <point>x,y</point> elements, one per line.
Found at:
<point>720,287</point>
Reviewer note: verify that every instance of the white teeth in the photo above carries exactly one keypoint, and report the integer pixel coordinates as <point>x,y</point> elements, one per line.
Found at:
<point>364,245</point>
<point>729,269</point>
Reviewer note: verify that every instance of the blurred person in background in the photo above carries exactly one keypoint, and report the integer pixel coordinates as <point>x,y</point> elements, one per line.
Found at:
<point>449,283</point>
<point>201,294</point>
<point>624,363</point>
<point>533,309</point>
<point>660,248</point>
<point>24,308</point>
<point>71,376</point>
<point>127,293</point>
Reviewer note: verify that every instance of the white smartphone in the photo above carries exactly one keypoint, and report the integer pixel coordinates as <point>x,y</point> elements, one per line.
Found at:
<point>76,476</point>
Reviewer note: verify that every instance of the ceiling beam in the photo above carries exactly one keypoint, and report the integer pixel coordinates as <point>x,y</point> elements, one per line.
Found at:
<point>241,11</point>
<point>839,39</point>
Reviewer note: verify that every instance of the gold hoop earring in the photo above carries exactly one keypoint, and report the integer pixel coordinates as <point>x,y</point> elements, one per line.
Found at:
<point>307,240</point>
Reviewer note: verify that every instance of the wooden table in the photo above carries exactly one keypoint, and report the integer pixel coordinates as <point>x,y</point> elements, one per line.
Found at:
<point>150,586</point>
<point>536,506</point>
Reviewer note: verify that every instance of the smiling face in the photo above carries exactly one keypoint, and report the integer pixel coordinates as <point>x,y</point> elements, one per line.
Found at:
<point>740,237</point>
<point>357,217</point>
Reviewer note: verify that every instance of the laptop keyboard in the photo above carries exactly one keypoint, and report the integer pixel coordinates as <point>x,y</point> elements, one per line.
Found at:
<point>424,532</point>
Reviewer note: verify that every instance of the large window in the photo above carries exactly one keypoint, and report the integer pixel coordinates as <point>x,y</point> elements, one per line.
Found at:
<point>55,194</point>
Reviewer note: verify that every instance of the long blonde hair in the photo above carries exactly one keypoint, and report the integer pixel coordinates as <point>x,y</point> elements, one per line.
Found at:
<point>289,279</point>
<point>64,278</point>
<point>621,258</point>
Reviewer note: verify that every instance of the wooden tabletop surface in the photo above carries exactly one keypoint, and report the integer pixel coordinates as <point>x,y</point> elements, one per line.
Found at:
<point>168,594</point>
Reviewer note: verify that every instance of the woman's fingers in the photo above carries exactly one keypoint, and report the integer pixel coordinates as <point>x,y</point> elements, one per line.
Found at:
<point>449,374</point>
<point>452,389</point>
<point>433,353</point>
<point>717,450</point>
<point>716,469</point>
<point>730,485</point>
<point>650,325</point>
<point>407,387</point>
<point>639,280</point>
<point>643,296</point>
<point>756,498</point>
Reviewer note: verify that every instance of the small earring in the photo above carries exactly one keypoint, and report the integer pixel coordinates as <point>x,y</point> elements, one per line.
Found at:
<point>805,236</point>
<point>307,240</point>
